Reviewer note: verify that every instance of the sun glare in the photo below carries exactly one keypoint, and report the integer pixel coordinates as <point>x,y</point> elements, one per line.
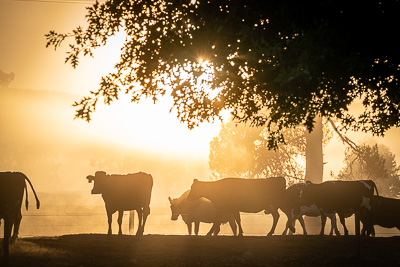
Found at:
<point>150,127</point>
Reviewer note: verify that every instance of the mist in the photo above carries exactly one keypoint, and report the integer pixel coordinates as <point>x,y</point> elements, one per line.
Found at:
<point>39,137</point>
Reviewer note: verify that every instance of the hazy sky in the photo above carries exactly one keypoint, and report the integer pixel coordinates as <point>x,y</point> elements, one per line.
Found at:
<point>22,43</point>
<point>23,25</point>
<point>38,133</point>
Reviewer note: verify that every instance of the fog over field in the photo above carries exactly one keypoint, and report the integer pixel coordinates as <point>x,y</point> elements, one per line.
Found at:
<point>40,138</point>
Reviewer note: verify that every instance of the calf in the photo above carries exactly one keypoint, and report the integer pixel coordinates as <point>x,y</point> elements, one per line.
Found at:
<point>200,210</point>
<point>342,197</point>
<point>385,212</point>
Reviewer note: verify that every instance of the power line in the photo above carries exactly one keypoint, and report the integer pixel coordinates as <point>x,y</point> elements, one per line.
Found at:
<point>56,1</point>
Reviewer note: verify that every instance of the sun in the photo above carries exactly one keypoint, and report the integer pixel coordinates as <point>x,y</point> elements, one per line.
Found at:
<point>151,127</point>
<point>146,125</point>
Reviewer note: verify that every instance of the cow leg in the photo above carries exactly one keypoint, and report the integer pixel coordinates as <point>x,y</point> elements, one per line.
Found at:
<point>285,231</point>
<point>196,227</point>
<point>343,222</point>
<point>364,230</point>
<point>275,216</point>
<point>145,214</point>
<point>301,221</point>
<point>368,230</point>
<point>357,223</point>
<point>233,226</point>
<point>217,228</point>
<point>189,226</point>
<point>368,226</point>
<point>120,215</point>
<point>371,231</point>
<point>109,217</point>
<point>332,217</point>
<point>286,227</point>
<point>291,221</point>
<point>17,222</point>
<point>323,222</point>
<point>6,239</point>
<point>239,223</point>
<point>216,225</point>
<point>140,229</point>
<point>211,230</point>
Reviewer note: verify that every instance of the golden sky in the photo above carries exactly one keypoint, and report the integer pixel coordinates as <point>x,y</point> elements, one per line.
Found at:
<point>38,133</point>
<point>144,127</point>
<point>24,24</point>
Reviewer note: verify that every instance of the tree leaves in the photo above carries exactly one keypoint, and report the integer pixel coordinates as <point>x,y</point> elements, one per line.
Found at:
<point>290,60</point>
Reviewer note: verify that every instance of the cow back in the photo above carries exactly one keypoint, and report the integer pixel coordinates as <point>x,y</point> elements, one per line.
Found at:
<point>385,212</point>
<point>128,192</point>
<point>12,185</point>
<point>337,196</point>
<point>236,194</point>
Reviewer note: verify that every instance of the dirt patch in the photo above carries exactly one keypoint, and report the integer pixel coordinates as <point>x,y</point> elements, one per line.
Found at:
<point>167,250</point>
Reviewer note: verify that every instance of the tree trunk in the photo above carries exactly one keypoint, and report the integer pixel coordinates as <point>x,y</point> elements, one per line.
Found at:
<point>314,154</point>
<point>314,169</point>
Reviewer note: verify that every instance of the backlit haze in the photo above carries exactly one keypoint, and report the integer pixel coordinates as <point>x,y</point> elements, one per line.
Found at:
<point>38,135</point>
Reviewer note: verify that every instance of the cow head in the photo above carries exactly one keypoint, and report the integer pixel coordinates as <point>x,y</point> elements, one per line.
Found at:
<point>195,192</point>
<point>174,209</point>
<point>99,181</point>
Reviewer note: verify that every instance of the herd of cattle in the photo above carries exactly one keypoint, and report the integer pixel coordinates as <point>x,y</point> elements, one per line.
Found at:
<point>222,201</point>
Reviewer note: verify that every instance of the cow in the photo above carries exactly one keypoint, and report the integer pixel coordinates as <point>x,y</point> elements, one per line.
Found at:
<point>124,193</point>
<point>12,186</point>
<point>385,212</point>
<point>292,198</point>
<point>234,195</point>
<point>200,210</point>
<point>341,197</point>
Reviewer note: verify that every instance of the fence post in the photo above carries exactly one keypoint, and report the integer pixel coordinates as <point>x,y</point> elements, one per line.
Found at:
<point>131,222</point>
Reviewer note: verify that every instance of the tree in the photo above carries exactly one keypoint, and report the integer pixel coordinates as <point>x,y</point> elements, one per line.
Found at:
<point>232,152</point>
<point>374,162</point>
<point>242,151</point>
<point>274,63</point>
<point>6,78</point>
<point>314,153</point>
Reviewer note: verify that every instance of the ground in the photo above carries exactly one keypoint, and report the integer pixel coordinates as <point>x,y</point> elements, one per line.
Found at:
<point>175,250</point>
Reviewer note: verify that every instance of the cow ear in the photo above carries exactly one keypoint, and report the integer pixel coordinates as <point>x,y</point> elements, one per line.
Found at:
<point>90,178</point>
<point>170,200</point>
<point>195,180</point>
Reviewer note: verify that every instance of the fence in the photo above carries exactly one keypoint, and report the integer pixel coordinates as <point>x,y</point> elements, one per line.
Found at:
<point>56,220</point>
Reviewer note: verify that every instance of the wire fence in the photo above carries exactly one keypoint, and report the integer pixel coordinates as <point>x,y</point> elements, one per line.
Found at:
<point>66,220</point>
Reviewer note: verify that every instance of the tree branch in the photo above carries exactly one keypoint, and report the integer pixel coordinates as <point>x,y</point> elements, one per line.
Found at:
<point>344,138</point>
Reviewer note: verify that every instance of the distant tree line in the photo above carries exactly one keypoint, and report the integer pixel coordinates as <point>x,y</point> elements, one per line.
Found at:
<point>375,162</point>
<point>241,151</point>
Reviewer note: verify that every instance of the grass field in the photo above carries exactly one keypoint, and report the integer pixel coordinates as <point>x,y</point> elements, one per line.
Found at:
<point>179,250</point>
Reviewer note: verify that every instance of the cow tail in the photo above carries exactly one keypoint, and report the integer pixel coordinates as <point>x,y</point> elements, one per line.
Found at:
<point>26,197</point>
<point>33,190</point>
